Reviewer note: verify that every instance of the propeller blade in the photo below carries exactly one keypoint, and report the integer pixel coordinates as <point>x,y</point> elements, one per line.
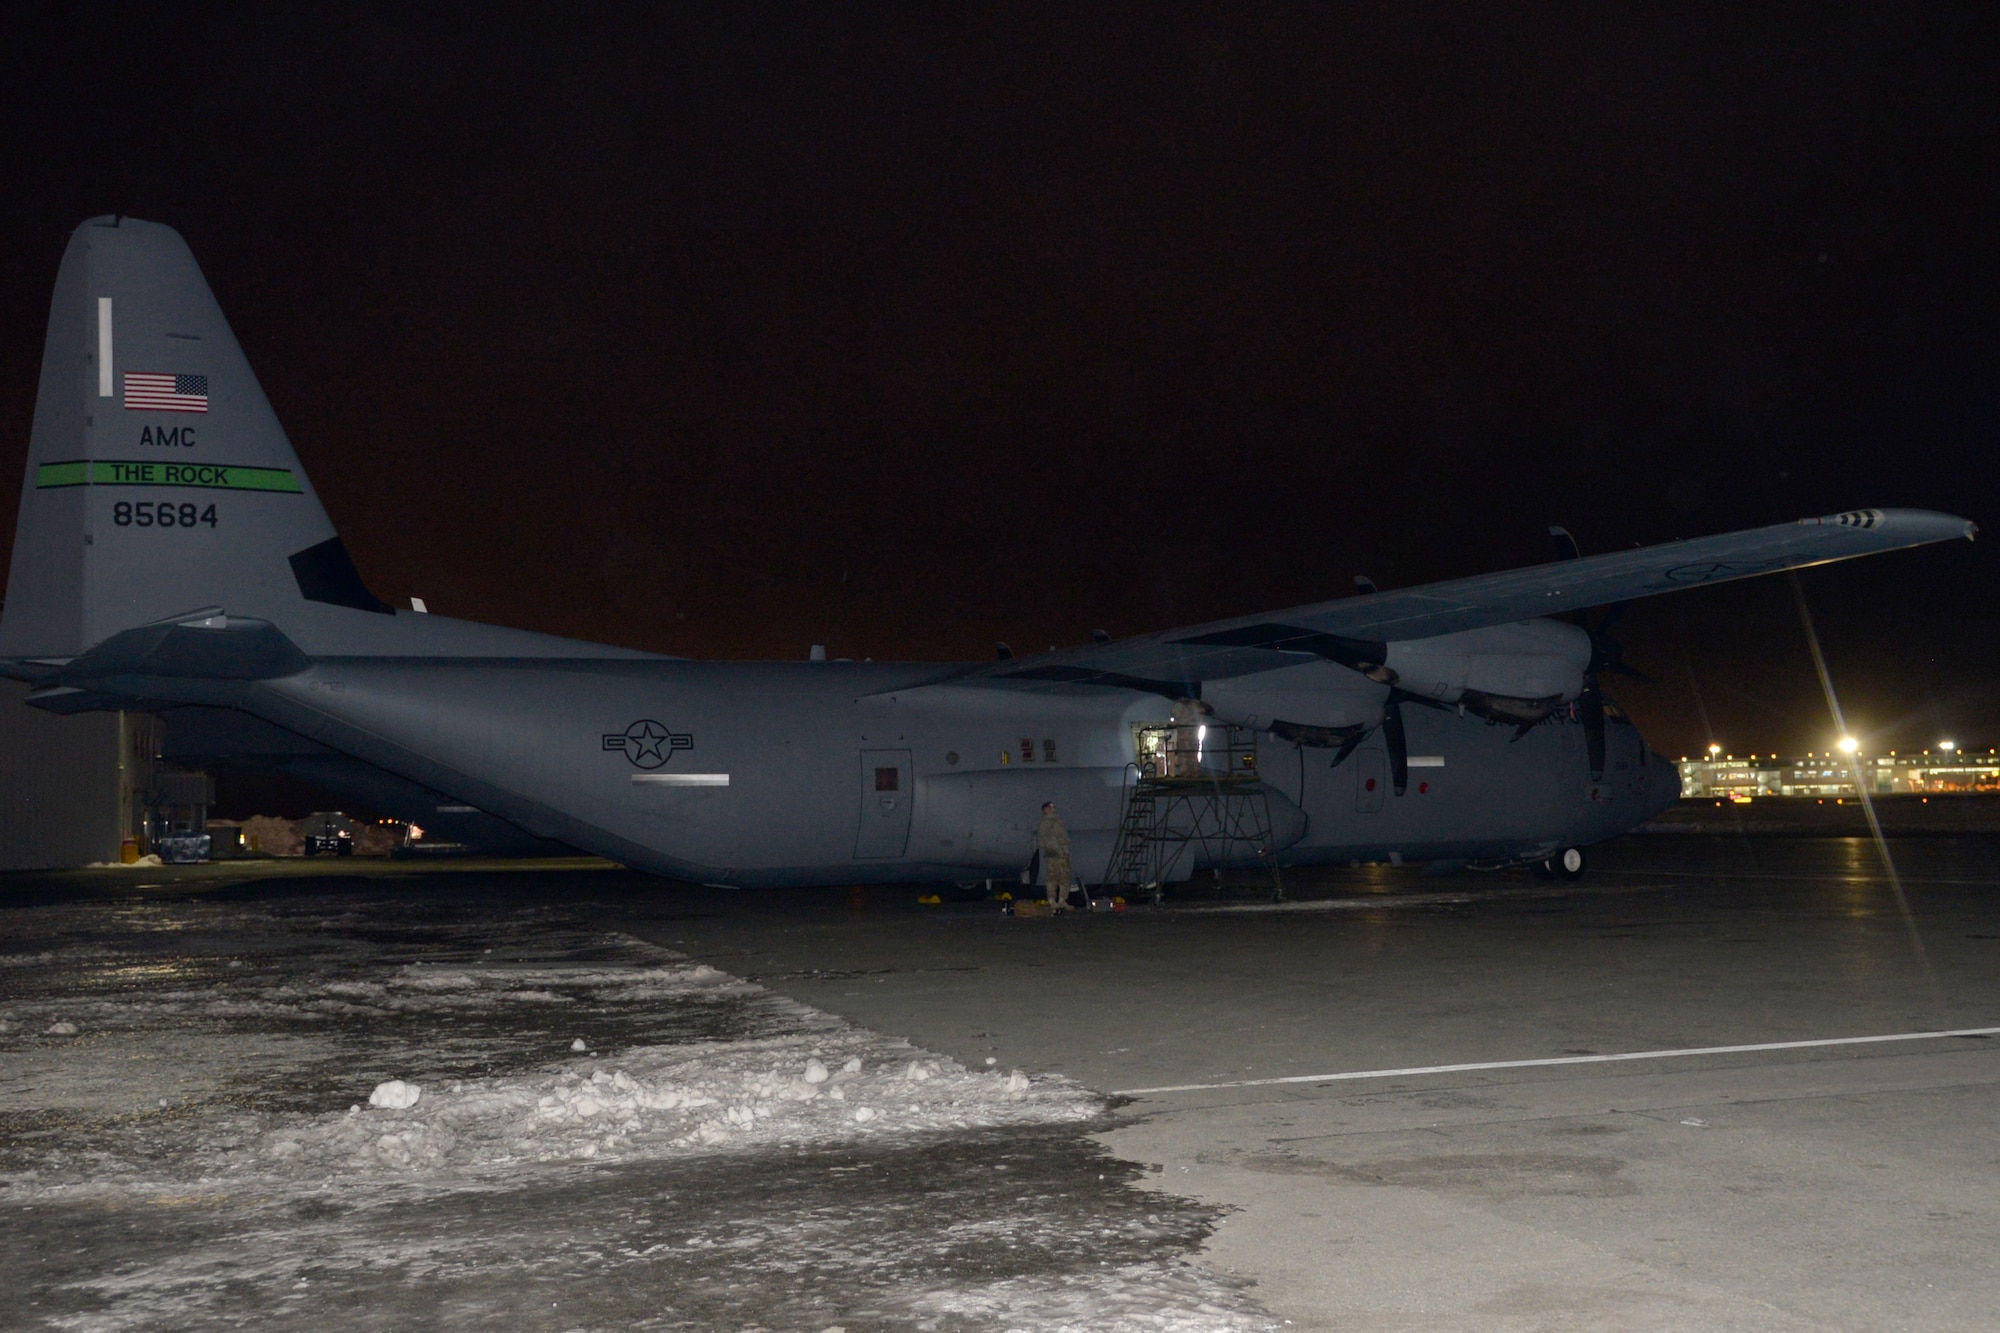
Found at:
<point>1398,743</point>
<point>1606,653</point>
<point>1564,543</point>
<point>1591,703</point>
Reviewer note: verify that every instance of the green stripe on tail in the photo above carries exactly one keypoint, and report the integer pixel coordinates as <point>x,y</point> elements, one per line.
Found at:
<point>203,476</point>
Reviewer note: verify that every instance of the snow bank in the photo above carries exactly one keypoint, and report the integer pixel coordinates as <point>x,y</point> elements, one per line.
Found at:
<point>819,1081</point>
<point>661,1101</point>
<point>1137,1298</point>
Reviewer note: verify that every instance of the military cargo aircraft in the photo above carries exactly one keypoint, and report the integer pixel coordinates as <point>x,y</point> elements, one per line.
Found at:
<point>172,555</point>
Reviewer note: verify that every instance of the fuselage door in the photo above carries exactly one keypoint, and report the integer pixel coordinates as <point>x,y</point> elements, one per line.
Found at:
<point>1371,775</point>
<point>886,797</point>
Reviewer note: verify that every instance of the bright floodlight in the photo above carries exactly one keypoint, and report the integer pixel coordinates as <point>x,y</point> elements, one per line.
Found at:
<point>1848,745</point>
<point>1714,749</point>
<point>1947,746</point>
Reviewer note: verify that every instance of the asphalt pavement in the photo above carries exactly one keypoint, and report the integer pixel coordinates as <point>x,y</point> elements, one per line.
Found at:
<point>1787,1185</point>
<point>1703,1087</point>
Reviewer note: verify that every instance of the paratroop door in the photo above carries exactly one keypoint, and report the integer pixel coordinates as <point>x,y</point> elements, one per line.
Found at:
<point>885,803</point>
<point>1371,775</point>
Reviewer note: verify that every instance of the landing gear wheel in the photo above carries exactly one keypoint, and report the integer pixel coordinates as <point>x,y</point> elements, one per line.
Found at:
<point>1567,864</point>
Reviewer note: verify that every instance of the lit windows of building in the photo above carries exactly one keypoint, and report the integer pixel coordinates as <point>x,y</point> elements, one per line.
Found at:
<point>1953,770</point>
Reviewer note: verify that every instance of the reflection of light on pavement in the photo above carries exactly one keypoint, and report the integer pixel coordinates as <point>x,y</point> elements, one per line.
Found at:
<point>151,972</point>
<point>1852,749</point>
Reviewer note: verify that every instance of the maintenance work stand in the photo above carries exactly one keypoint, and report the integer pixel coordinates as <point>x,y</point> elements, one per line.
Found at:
<point>1197,788</point>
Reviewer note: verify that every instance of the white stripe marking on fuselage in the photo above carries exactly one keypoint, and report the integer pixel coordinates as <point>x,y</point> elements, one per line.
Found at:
<point>682,779</point>
<point>104,347</point>
<point>1477,1066</point>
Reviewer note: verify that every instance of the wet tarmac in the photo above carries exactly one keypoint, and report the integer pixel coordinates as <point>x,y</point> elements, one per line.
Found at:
<point>186,1139</point>
<point>1023,1229</point>
<point>1384,1104</point>
<point>1769,1186</point>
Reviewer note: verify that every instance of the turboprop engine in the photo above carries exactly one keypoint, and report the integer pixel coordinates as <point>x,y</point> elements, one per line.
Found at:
<point>1516,673</point>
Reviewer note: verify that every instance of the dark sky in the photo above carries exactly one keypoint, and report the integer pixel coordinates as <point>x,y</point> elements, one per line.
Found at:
<point>724,331</point>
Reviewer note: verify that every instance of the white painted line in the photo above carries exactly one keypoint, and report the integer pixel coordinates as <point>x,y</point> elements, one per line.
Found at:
<point>1425,761</point>
<point>1562,1060</point>
<point>682,779</point>
<point>103,347</point>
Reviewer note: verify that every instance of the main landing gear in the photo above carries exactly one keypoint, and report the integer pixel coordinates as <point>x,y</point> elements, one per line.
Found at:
<point>1566,864</point>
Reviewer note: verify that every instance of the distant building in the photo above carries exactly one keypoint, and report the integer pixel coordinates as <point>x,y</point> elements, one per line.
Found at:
<point>72,789</point>
<point>80,788</point>
<point>1924,773</point>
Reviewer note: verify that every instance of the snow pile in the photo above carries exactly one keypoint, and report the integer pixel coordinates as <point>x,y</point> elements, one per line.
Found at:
<point>395,1095</point>
<point>660,1101</point>
<point>797,1077</point>
<point>298,1071</point>
<point>1136,1298</point>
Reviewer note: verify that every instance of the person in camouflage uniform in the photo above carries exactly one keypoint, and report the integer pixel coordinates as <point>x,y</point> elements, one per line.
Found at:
<point>1053,840</point>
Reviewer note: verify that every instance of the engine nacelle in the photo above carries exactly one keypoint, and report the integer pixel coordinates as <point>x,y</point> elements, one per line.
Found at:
<point>1317,694</point>
<point>1541,662</point>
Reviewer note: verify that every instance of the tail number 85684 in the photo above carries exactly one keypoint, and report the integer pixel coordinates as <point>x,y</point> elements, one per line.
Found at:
<point>161,514</point>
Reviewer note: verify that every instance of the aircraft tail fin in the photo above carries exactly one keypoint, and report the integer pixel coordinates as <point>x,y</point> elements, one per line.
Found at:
<point>159,482</point>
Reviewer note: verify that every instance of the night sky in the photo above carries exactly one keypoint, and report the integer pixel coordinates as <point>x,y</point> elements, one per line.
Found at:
<point>727,331</point>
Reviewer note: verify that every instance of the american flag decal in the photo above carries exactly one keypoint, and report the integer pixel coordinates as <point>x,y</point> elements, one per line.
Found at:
<point>145,392</point>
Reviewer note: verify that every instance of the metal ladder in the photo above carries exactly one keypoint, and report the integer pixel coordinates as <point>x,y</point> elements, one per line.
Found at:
<point>1132,857</point>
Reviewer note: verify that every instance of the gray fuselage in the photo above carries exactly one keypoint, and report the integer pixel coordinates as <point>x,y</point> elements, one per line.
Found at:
<point>627,759</point>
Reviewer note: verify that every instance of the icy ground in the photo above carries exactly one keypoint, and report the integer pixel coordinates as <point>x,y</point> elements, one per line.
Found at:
<point>432,1109</point>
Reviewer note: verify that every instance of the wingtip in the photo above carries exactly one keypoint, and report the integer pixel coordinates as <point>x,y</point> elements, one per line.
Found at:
<point>1915,525</point>
<point>1931,525</point>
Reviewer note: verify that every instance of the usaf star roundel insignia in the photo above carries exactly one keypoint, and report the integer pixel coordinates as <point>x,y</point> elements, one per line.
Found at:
<point>648,744</point>
<point>1707,571</point>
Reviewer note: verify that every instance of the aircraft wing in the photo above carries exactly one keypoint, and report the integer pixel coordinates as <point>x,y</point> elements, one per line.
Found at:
<point>1354,630</point>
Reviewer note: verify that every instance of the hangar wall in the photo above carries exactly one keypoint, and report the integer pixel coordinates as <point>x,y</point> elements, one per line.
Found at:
<point>71,788</point>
